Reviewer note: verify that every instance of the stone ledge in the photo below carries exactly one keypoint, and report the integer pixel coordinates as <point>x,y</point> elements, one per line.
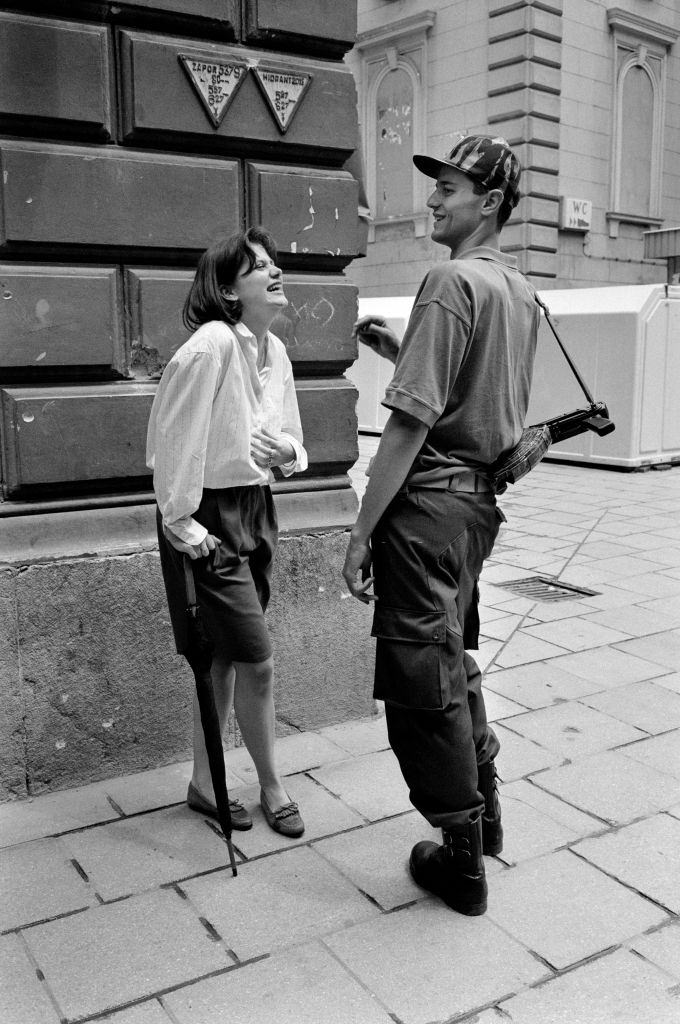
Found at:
<point>131,529</point>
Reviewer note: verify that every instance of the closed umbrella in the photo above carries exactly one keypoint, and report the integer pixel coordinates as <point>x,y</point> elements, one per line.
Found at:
<point>199,654</point>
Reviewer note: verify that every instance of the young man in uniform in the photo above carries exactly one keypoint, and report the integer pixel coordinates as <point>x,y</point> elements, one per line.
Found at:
<point>428,520</point>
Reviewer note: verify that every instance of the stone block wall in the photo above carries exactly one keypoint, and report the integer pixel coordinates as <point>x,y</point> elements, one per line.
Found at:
<point>91,686</point>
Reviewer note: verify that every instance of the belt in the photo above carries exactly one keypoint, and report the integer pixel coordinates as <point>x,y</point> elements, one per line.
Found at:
<point>471,483</point>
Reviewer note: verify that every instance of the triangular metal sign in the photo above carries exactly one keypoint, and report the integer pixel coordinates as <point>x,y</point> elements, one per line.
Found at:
<point>215,81</point>
<point>283,91</point>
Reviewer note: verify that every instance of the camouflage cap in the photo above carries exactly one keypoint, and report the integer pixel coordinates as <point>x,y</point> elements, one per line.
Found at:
<point>488,161</point>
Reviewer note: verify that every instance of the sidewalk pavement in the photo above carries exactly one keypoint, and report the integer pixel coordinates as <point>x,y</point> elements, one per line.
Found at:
<point>118,905</point>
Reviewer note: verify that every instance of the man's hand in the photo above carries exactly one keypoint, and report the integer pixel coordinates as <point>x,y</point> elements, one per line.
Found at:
<point>374,332</point>
<point>194,551</point>
<point>357,570</point>
<point>267,450</point>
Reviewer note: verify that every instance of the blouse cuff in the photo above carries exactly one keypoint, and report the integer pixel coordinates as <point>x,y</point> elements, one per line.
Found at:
<point>187,530</point>
<point>298,464</point>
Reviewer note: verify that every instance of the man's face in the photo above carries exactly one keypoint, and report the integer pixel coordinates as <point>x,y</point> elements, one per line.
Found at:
<point>455,208</point>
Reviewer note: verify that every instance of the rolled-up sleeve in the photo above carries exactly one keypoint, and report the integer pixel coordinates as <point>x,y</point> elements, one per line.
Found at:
<point>433,348</point>
<point>178,436</point>
<point>429,360</point>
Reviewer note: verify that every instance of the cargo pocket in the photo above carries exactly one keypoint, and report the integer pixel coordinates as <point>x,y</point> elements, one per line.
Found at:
<point>410,657</point>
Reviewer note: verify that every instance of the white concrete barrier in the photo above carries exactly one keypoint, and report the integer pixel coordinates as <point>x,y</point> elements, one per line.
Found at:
<point>625,342</point>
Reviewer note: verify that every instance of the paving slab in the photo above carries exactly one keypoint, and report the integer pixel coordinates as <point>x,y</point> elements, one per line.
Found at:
<point>484,656</point>
<point>519,756</point>
<point>535,822</point>
<point>576,634</point>
<point>614,596</point>
<point>661,753</point>
<point>629,566</point>
<point>148,850</point>
<point>646,541</point>
<point>618,987</point>
<point>489,614</point>
<point>290,898</point>
<point>662,648</point>
<point>502,628</point>
<point>372,785</point>
<point>566,910</point>
<point>656,584</point>
<point>323,814</point>
<point>161,787</point>
<point>101,959</point>
<point>301,986</point>
<point>375,857</point>
<point>662,948</point>
<point>523,648</point>
<point>645,856</point>
<point>572,729</point>
<point>595,549</point>
<point>295,753</point>
<point>426,963</point>
<point>23,997</point>
<point>145,1013</point>
<point>537,685</point>
<point>606,667</point>
<point>147,791</point>
<point>361,737</point>
<point>670,682</point>
<point>612,786</point>
<point>549,611</point>
<point>38,881</point>
<point>498,708</point>
<point>646,705</point>
<point>53,813</point>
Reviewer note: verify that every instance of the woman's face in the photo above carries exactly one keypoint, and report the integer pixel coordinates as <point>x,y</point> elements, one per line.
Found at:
<point>259,290</point>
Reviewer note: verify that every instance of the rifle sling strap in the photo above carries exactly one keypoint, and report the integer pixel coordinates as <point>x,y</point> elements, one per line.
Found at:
<point>572,364</point>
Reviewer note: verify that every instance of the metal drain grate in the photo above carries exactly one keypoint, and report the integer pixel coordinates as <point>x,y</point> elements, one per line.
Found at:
<point>539,588</point>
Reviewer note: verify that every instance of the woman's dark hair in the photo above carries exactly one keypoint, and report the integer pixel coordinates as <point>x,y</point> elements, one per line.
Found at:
<point>217,269</point>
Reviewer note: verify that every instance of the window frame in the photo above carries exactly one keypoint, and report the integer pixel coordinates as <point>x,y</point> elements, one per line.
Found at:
<point>646,44</point>
<point>403,46</point>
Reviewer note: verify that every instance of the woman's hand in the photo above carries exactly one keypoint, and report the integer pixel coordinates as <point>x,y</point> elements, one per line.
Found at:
<point>194,551</point>
<point>374,332</point>
<point>267,450</point>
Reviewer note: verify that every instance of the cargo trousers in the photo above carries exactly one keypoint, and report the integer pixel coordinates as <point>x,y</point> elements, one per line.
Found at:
<point>428,550</point>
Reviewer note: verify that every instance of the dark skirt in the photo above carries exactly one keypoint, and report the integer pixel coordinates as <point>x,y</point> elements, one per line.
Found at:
<point>233,582</point>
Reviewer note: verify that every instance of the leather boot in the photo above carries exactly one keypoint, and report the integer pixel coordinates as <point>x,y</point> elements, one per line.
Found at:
<point>492,830</point>
<point>454,871</point>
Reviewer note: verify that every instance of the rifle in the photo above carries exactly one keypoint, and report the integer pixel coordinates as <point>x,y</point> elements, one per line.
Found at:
<point>537,438</point>
<point>569,424</point>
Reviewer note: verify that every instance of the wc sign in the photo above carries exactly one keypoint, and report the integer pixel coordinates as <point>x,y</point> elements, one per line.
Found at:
<point>575,214</point>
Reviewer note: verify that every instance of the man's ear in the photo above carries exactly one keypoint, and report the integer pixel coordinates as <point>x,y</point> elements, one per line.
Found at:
<point>492,202</point>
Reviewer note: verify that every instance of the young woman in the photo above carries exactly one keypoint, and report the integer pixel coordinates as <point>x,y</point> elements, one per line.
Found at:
<point>225,413</point>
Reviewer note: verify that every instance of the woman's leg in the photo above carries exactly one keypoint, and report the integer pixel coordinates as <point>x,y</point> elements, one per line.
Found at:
<point>223,675</point>
<point>254,707</point>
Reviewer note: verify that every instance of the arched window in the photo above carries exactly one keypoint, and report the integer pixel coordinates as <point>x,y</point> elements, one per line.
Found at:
<point>637,140</point>
<point>394,144</point>
<point>393,94</point>
<point>640,47</point>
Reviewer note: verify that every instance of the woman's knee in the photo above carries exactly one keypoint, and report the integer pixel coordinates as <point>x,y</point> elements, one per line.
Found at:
<point>257,676</point>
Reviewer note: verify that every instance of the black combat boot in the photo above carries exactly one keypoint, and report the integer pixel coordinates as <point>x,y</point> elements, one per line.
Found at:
<point>492,830</point>
<point>454,871</point>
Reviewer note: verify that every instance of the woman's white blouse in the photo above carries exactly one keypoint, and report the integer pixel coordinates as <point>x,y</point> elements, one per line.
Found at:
<point>209,400</point>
